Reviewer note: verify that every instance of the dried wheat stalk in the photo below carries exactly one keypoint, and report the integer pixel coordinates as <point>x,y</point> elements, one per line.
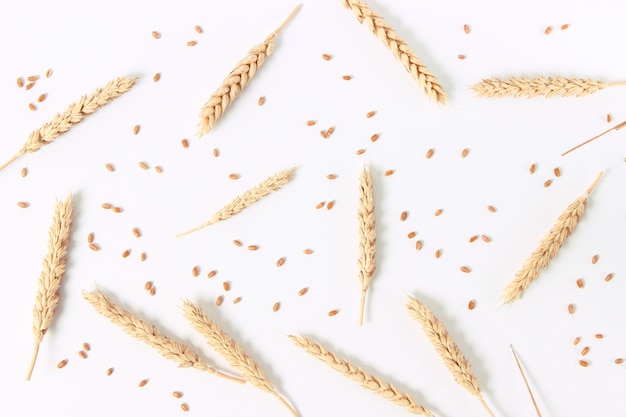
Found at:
<point>230,350</point>
<point>367,234</point>
<point>459,366</point>
<point>49,283</point>
<point>150,334</point>
<point>616,127</point>
<point>237,79</point>
<point>399,47</point>
<point>355,373</point>
<point>532,397</point>
<point>538,86</point>
<point>269,185</point>
<point>548,248</point>
<point>73,115</point>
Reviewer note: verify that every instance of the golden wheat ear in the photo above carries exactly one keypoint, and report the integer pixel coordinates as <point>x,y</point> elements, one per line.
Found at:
<point>237,79</point>
<point>73,115</point>
<point>538,86</point>
<point>549,247</point>
<point>367,235</point>
<point>52,273</point>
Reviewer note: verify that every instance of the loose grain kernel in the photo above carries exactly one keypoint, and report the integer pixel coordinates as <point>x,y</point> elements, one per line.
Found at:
<point>461,56</point>
<point>86,346</point>
<point>485,238</point>
<point>324,134</point>
<point>94,247</point>
<point>211,274</point>
<point>23,204</point>
<point>438,253</point>
<point>143,256</point>
<point>418,245</point>
<point>599,336</point>
<point>90,237</point>
<point>471,304</point>
<point>253,247</point>
<point>619,361</point>
<point>158,169</point>
<point>466,29</point>
<point>584,351</point>
<point>142,383</point>
<point>29,86</point>
<point>464,152</point>
<point>332,313</point>
<point>594,259</point>
<point>320,204</point>
<point>438,212</point>
<point>583,363</point>
<point>42,97</point>
<point>109,371</point>
<point>24,172</point>
<point>143,165</point>
<point>195,271</point>
<point>216,152</point>
<point>331,176</point>
<point>307,251</point>
<point>374,137</point>
<point>82,354</point>
<point>565,26</point>
<point>360,151</point>
<point>276,307</point>
<point>106,206</point>
<point>330,205</point>
<point>280,261</point>
<point>136,232</point>
<point>430,153</point>
<point>466,269</point>
<point>370,114</point>
<point>347,77</point>
<point>532,168</point>
<point>608,277</point>
<point>491,209</point>
<point>33,77</point>
<point>548,30</point>
<point>32,107</point>
<point>237,243</point>
<point>226,285</point>
<point>233,176</point>
<point>198,29</point>
<point>110,167</point>
<point>310,122</point>
<point>403,216</point>
<point>20,82</point>
<point>547,183</point>
<point>152,291</point>
<point>62,364</point>
<point>192,43</point>
<point>185,143</point>
<point>261,100</point>
<point>330,130</point>
<point>219,300</point>
<point>557,172</point>
<point>571,308</point>
<point>326,57</point>
<point>303,291</point>
<point>177,394</point>
<point>411,235</point>
<point>147,286</point>
<point>389,172</point>
<point>156,35</point>
<point>473,238</point>
<point>126,253</point>
<point>136,129</point>
<point>156,77</point>
<point>49,73</point>
<point>576,341</point>
<point>236,300</point>
<point>580,283</point>
<point>184,407</point>
<point>609,118</point>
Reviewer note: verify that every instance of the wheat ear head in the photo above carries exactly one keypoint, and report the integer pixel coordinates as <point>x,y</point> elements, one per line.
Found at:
<point>367,235</point>
<point>548,248</point>
<point>150,334</point>
<point>254,194</point>
<point>455,361</point>
<point>237,79</point>
<point>230,350</point>
<point>538,86</point>
<point>399,48</point>
<point>367,381</point>
<point>73,115</point>
<point>49,283</point>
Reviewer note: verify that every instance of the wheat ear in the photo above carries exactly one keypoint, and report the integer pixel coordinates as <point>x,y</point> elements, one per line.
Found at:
<point>399,48</point>
<point>616,127</point>
<point>355,373</point>
<point>254,194</point>
<point>548,248</point>
<point>237,79</point>
<point>230,350</point>
<point>150,334</point>
<point>49,283</point>
<point>538,86</point>
<point>367,235</point>
<point>519,366</point>
<point>74,114</point>
<point>459,366</point>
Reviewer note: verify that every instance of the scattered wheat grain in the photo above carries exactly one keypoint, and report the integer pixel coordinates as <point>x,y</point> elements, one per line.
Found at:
<point>548,30</point>
<point>370,114</point>
<point>136,129</point>
<point>324,134</point>
<point>156,35</point>
<point>32,107</point>
<point>303,291</point>
<point>326,57</point>
<point>219,300</point>
<point>307,251</point>
<point>584,351</point>
<point>236,300</point>
<point>106,206</point>
<point>360,151</point>
<point>33,77</point>
<point>619,361</point>
<point>49,73</point>
<point>126,253</point>
<point>184,407</point>
<point>532,168</point>
<point>195,271</point>
<point>198,29</point>
<point>461,56</point>
<point>320,204</point>
<point>310,122</point>
<point>29,86</point>
<point>347,77</point>
<point>226,285</point>
<point>466,269</point>
<point>82,354</point>
<point>599,336</point>
<point>608,277</point>
<point>466,29</point>
<point>136,232</point>
<point>23,204</point>
<point>411,235</point>
<point>237,243</point>
<point>580,283</point>
<point>192,43</point>
<point>438,212</point>
<point>156,77</point>
<point>485,238</point>
<point>547,183</point>
<point>253,247</point>
<point>389,172</point>
<point>471,304</point>
<point>609,118</point>
<point>430,153</point>
<point>142,383</point>
<point>62,364</point>
<point>94,247</point>
<point>147,285</point>
<point>158,169</point>
<point>20,82</point>
<point>403,216</point>
<point>177,394</point>
<point>583,363</point>
<point>571,308</point>
<point>261,100</point>
<point>152,291</point>
<point>216,152</point>
<point>276,307</point>
<point>594,259</point>
<point>143,165</point>
<point>143,256</point>
<point>418,245</point>
<point>331,176</point>
<point>24,172</point>
<point>86,346</point>
<point>576,340</point>
<point>437,253</point>
<point>491,209</point>
<point>332,313</point>
<point>564,26</point>
<point>464,152</point>
<point>109,371</point>
<point>473,238</point>
<point>90,237</point>
<point>42,97</point>
<point>330,205</point>
<point>110,167</point>
<point>185,143</point>
<point>211,274</point>
<point>557,172</point>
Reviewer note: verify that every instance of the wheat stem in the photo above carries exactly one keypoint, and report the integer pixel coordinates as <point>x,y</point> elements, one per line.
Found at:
<point>548,248</point>
<point>73,115</point>
<point>616,127</point>
<point>538,86</point>
<point>291,15</point>
<point>53,270</point>
<point>485,406</point>
<point>519,366</point>
<point>367,235</point>
<point>398,46</point>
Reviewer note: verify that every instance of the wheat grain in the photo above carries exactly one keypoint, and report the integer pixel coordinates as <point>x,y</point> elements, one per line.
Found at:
<point>184,407</point>
<point>269,185</point>
<point>367,381</point>
<point>548,248</point>
<point>583,363</point>
<point>237,79</point>
<point>377,25</point>
<point>538,86</point>
<point>62,364</point>
<point>52,273</point>
<point>143,165</point>
<point>455,361</point>
<point>142,383</point>
<point>230,350</point>
<point>82,354</point>
<point>150,334</point>
<point>73,115</point>
<point>367,235</point>
<point>303,291</point>
<point>87,346</point>
<point>20,82</point>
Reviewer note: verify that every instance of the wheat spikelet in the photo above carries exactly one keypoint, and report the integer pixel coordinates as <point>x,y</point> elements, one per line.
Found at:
<point>230,350</point>
<point>150,334</point>
<point>237,79</point>
<point>254,194</point>
<point>367,235</point>
<point>73,115</point>
<point>459,366</point>
<point>538,86</point>
<point>355,373</point>
<point>399,48</point>
<point>49,283</point>
<point>548,248</point>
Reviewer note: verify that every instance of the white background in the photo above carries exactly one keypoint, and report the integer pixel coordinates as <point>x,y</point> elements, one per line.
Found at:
<point>88,43</point>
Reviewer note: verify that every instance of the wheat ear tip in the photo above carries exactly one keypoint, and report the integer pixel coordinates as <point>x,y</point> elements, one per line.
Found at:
<point>593,185</point>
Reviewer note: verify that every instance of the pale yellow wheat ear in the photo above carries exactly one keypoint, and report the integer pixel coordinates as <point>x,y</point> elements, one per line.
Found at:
<point>616,127</point>
<point>49,283</point>
<point>151,335</point>
<point>367,235</point>
<point>367,381</point>
<point>230,350</point>
<point>73,115</point>
<point>459,365</point>
<point>548,248</point>
<point>538,86</point>
<point>237,79</point>
<point>377,25</point>
<point>519,366</point>
<point>269,185</point>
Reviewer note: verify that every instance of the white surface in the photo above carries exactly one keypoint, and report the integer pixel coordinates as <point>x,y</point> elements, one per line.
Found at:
<point>88,43</point>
